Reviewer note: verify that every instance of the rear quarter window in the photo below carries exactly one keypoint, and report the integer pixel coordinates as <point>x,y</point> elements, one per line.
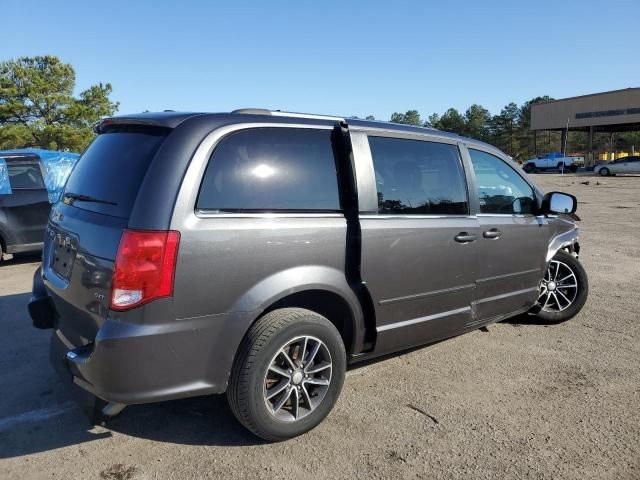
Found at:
<point>271,170</point>
<point>113,167</point>
<point>25,175</point>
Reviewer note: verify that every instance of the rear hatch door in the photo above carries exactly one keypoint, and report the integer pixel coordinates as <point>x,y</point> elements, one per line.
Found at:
<point>85,228</point>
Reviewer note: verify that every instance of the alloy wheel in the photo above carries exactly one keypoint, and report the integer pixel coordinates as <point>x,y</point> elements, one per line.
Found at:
<point>559,287</point>
<point>297,378</point>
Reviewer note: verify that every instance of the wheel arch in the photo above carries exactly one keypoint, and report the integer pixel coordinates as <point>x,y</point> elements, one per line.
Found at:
<point>326,303</point>
<point>321,289</point>
<point>564,241</point>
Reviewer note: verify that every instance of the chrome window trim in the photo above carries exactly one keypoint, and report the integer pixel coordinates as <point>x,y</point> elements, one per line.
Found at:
<point>390,216</point>
<point>184,213</point>
<point>429,136</point>
<point>204,214</point>
<point>516,215</point>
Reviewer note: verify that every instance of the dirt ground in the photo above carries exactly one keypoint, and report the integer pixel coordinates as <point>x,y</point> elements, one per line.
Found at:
<point>519,400</point>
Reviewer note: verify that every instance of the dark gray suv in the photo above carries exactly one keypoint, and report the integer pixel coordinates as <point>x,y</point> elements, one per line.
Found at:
<point>259,253</point>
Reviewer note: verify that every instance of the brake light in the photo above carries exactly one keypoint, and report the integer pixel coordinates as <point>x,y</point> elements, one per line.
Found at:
<point>144,268</point>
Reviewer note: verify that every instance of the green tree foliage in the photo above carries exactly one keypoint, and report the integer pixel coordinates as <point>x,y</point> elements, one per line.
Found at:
<point>38,109</point>
<point>412,117</point>
<point>451,121</point>
<point>477,123</point>
<point>509,130</point>
<point>505,129</point>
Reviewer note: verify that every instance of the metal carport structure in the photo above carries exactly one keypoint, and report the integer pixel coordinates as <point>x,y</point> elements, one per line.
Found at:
<point>608,112</point>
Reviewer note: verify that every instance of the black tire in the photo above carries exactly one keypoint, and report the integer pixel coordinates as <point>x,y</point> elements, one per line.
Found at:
<point>604,172</point>
<point>561,166</point>
<point>582,291</point>
<point>573,168</point>
<point>258,349</point>
<point>530,168</point>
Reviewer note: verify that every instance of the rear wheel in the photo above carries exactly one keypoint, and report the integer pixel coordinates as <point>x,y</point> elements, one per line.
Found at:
<point>563,290</point>
<point>561,166</point>
<point>288,374</point>
<point>530,168</point>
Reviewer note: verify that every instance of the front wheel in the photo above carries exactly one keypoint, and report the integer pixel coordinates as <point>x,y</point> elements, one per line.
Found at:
<point>288,374</point>
<point>563,290</point>
<point>604,172</point>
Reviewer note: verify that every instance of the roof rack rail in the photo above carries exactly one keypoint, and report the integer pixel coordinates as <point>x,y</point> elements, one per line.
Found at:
<point>252,111</point>
<point>280,113</point>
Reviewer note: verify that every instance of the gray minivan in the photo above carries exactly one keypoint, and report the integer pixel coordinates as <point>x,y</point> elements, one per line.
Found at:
<point>258,253</point>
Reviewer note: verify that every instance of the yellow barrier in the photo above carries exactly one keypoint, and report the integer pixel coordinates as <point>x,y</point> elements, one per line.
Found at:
<point>608,156</point>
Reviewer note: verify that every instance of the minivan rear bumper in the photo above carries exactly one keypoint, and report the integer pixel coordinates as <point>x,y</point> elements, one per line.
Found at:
<point>133,364</point>
<point>130,363</point>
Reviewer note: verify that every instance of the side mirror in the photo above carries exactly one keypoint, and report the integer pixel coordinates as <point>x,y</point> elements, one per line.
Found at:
<point>559,202</point>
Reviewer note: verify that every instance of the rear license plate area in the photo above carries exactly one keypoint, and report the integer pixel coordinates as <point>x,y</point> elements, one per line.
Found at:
<point>63,255</point>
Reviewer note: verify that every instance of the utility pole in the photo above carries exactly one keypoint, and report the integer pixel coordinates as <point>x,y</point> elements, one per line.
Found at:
<point>566,134</point>
<point>564,146</point>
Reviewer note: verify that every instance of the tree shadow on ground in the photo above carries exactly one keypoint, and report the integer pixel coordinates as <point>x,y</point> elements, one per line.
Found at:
<point>38,413</point>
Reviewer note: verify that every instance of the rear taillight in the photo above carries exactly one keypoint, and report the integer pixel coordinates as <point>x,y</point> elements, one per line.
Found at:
<point>144,268</point>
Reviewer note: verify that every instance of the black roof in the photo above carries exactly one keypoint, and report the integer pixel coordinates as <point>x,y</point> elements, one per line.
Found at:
<point>171,119</point>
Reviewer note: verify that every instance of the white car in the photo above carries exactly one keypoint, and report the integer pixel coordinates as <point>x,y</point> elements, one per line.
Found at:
<point>553,160</point>
<point>622,165</point>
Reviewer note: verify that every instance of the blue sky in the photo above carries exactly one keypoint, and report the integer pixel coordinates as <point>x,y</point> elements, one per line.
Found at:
<point>338,57</point>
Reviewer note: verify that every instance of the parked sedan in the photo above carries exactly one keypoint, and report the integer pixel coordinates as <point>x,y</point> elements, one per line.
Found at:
<point>622,165</point>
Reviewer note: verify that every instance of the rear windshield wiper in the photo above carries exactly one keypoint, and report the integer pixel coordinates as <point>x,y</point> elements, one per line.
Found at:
<point>86,198</point>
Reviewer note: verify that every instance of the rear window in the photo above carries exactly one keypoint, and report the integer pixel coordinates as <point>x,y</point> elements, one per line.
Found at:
<point>25,175</point>
<point>272,169</point>
<point>112,168</point>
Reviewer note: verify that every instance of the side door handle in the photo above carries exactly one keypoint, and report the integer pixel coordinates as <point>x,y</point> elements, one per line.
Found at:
<point>493,233</point>
<point>464,237</point>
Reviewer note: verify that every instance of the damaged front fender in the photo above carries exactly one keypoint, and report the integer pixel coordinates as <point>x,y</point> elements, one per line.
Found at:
<point>568,239</point>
